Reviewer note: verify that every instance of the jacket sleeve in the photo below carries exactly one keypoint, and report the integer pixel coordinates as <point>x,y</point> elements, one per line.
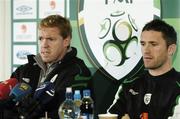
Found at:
<point>176,114</point>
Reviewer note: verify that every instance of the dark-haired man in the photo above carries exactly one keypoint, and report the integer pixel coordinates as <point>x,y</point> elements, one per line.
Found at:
<point>155,94</point>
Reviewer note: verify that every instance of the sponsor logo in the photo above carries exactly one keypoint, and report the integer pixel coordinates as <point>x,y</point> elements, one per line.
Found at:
<point>24,9</point>
<point>133,92</point>
<point>22,54</point>
<point>52,4</point>
<point>23,28</point>
<point>24,87</point>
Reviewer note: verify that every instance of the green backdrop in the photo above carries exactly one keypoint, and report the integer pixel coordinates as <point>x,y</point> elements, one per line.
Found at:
<point>104,88</point>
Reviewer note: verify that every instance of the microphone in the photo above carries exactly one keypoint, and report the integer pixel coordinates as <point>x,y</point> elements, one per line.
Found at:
<point>20,91</point>
<point>6,86</point>
<point>45,92</point>
<point>42,95</point>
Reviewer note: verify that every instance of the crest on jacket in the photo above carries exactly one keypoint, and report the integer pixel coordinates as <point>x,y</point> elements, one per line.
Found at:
<point>147,98</point>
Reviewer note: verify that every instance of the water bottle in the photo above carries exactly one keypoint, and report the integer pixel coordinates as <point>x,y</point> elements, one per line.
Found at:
<point>87,105</point>
<point>77,102</point>
<point>67,108</point>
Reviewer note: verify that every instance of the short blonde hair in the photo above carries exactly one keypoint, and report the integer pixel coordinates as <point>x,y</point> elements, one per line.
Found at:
<point>58,21</point>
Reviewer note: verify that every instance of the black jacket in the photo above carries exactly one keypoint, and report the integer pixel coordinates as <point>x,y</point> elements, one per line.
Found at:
<point>68,70</point>
<point>156,95</point>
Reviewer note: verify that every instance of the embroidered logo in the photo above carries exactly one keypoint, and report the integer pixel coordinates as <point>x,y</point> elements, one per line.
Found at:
<point>54,78</point>
<point>147,98</point>
<point>133,92</point>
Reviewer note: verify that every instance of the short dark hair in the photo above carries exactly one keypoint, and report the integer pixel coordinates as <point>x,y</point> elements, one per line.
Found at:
<point>168,32</point>
<point>58,21</point>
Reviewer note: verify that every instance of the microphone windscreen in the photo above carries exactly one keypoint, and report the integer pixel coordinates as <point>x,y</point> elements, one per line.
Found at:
<point>6,87</point>
<point>20,91</point>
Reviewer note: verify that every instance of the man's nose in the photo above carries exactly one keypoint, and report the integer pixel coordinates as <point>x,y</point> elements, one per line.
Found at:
<point>146,49</point>
<point>44,43</point>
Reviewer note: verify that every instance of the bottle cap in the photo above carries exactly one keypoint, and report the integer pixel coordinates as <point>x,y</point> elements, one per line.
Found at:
<point>77,95</point>
<point>77,92</point>
<point>86,92</point>
<point>68,89</point>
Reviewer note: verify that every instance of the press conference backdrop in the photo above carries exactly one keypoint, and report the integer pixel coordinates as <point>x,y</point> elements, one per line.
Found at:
<point>105,32</point>
<point>97,46</point>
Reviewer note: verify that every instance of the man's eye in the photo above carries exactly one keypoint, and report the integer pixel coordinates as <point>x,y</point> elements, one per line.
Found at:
<point>50,39</point>
<point>142,44</point>
<point>154,44</point>
<point>40,38</point>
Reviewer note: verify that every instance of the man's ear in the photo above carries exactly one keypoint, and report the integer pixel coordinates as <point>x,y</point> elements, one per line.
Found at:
<point>67,41</point>
<point>171,49</point>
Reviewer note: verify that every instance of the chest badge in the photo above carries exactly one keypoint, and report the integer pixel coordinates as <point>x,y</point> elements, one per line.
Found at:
<point>147,98</point>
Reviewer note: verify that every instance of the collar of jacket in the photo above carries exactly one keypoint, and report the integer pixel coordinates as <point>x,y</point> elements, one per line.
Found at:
<point>69,55</point>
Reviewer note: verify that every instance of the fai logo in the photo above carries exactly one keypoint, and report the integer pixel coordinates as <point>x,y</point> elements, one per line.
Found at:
<point>110,32</point>
<point>147,98</point>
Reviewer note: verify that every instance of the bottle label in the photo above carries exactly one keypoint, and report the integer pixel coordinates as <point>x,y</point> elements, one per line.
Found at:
<point>67,117</point>
<point>86,116</point>
<point>68,114</point>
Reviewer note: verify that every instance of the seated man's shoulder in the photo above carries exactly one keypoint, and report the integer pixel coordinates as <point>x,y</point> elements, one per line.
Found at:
<point>135,79</point>
<point>177,79</point>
